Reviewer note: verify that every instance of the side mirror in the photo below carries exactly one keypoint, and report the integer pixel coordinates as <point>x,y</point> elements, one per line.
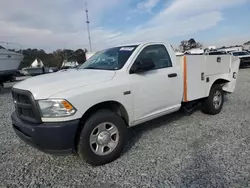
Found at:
<point>143,65</point>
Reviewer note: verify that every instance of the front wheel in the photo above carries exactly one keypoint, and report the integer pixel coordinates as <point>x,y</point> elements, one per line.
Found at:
<point>102,138</point>
<point>214,103</point>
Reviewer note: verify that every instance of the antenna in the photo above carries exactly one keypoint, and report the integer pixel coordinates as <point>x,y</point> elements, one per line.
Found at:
<point>87,21</point>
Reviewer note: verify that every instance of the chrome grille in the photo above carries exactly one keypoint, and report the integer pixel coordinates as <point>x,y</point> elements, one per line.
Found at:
<point>25,106</point>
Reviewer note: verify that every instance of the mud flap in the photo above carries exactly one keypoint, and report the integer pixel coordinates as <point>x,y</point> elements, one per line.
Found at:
<point>233,74</point>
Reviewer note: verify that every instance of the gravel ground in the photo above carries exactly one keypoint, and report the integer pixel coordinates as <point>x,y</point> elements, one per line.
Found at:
<point>173,151</point>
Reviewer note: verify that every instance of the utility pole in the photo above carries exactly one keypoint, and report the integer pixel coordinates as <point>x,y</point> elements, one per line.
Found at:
<point>87,21</point>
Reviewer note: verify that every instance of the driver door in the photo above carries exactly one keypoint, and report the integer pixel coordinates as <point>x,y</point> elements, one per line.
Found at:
<point>154,91</point>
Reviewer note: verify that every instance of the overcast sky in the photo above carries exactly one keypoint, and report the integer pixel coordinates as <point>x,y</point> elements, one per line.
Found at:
<point>53,24</point>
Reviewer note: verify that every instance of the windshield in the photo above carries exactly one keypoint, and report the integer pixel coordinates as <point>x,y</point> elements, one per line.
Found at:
<point>109,59</point>
<point>240,53</point>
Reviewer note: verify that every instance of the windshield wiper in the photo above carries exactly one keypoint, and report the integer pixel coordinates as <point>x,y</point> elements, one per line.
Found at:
<point>92,68</point>
<point>98,68</point>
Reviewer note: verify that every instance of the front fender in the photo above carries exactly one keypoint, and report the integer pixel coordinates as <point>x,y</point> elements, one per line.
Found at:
<point>85,97</point>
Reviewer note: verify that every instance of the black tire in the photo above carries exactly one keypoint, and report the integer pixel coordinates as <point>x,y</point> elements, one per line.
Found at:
<point>208,106</point>
<point>1,87</point>
<point>84,148</point>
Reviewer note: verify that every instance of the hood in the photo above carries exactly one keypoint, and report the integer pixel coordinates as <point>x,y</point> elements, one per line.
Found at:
<point>44,86</point>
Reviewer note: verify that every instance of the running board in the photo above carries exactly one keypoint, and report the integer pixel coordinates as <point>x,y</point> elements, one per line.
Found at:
<point>190,107</point>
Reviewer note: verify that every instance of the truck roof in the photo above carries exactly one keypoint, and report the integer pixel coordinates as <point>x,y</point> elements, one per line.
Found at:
<point>141,43</point>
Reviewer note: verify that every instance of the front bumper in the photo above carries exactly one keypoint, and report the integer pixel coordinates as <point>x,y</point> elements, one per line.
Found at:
<point>53,138</point>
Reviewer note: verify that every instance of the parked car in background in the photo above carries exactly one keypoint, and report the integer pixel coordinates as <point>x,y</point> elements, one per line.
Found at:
<point>244,57</point>
<point>216,53</point>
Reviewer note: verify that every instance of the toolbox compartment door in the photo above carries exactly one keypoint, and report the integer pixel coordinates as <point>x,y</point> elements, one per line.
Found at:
<point>233,74</point>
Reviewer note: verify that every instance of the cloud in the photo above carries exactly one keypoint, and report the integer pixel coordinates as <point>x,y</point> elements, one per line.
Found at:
<point>162,31</point>
<point>183,9</point>
<point>182,17</point>
<point>193,6</point>
<point>51,24</point>
<point>61,23</point>
<point>147,5</point>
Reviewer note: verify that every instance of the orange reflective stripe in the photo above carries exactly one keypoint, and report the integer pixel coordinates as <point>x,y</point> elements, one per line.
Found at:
<point>185,78</point>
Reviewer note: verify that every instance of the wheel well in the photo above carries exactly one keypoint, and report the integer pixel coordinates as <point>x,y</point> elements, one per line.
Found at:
<point>220,82</point>
<point>108,105</point>
<point>217,82</point>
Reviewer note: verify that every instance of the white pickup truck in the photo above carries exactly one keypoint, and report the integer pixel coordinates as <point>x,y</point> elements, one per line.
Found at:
<point>88,110</point>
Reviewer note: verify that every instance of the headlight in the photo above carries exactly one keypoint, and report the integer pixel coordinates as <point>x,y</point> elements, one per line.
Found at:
<point>56,108</point>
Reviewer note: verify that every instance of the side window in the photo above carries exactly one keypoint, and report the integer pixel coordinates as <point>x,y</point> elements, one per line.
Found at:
<point>159,55</point>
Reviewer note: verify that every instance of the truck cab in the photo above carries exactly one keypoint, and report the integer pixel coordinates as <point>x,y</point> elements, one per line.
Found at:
<point>88,110</point>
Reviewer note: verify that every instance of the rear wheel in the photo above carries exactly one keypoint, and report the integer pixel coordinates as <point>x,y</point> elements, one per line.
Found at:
<point>102,138</point>
<point>214,103</point>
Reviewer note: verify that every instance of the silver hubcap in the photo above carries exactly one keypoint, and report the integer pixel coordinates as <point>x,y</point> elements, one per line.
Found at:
<point>104,138</point>
<point>217,100</point>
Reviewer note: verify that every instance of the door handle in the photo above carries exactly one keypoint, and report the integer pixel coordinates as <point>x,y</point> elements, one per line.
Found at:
<point>172,75</point>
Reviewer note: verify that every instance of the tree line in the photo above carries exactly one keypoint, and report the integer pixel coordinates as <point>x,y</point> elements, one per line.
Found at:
<point>247,43</point>
<point>53,59</point>
<point>189,44</point>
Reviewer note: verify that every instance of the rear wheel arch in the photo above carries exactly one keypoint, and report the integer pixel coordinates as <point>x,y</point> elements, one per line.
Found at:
<point>219,81</point>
